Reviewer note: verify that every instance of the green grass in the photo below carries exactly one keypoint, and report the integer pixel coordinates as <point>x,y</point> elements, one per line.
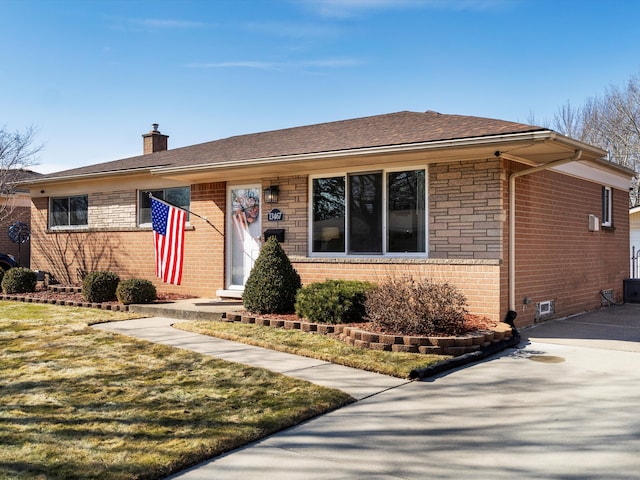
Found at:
<point>80,403</point>
<point>322,347</point>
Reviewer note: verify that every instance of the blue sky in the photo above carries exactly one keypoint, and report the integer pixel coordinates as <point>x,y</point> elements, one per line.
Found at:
<point>92,76</point>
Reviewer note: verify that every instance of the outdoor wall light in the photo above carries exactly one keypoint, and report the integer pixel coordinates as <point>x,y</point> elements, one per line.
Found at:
<point>271,194</point>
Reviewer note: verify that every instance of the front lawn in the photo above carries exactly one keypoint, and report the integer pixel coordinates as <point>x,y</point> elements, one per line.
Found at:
<point>79,403</point>
<point>397,364</point>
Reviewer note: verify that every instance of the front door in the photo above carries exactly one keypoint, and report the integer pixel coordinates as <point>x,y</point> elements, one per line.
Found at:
<point>243,233</point>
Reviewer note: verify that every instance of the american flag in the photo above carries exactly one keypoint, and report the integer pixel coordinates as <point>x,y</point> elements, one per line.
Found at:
<point>168,240</point>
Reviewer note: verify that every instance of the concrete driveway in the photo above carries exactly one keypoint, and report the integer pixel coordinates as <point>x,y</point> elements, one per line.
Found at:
<point>565,404</point>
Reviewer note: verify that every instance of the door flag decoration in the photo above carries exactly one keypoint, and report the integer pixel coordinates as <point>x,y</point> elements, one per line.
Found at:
<point>168,240</point>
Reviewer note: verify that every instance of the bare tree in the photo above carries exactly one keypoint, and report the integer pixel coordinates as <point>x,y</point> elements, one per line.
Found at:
<point>568,120</point>
<point>17,153</point>
<point>611,122</point>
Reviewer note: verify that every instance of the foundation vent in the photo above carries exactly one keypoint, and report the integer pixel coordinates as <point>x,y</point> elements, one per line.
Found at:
<point>545,309</point>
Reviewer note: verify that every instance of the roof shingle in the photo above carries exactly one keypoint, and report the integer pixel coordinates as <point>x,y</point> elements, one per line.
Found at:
<point>376,131</point>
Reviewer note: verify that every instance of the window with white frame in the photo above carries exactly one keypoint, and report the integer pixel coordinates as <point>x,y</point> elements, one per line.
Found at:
<point>607,200</point>
<point>369,213</point>
<point>69,211</point>
<point>180,196</point>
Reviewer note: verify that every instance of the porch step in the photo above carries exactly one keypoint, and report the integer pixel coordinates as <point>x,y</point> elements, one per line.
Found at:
<point>229,294</point>
<point>191,309</point>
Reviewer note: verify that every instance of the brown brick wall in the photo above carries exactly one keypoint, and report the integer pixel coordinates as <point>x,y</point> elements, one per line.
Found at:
<point>557,257</point>
<point>129,251</point>
<point>478,280</point>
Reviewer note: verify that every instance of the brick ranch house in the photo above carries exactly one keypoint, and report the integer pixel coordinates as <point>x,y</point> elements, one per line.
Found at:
<point>519,217</point>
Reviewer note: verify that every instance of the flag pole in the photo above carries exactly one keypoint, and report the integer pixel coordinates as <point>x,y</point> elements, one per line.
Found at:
<point>184,209</point>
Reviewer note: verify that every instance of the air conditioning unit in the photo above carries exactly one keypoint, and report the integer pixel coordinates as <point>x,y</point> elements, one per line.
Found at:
<point>631,290</point>
<point>594,223</point>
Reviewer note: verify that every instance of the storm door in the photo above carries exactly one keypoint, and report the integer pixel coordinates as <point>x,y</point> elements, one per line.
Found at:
<point>243,233</point>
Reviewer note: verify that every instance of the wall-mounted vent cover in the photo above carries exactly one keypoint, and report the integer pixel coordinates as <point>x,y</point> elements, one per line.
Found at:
<point>544,309</point>
<point>607,298</point>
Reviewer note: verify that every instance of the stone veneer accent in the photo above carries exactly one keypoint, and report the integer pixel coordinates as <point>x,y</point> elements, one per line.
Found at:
<point>112,209</point>
<point>466,219</point>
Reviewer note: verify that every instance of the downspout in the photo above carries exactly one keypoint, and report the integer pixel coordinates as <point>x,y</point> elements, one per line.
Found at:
<point>512,221</point>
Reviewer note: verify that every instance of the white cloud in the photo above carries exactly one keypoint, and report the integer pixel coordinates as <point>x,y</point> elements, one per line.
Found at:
<point>293,30</point>
<point>262,65</point>
<point>163,23</point>
<point>351,8</point>
<point>137,24</point>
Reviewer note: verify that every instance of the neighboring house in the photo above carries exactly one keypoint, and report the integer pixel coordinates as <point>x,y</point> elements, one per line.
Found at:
<point>16,207</point>
<point>519,217</point>
<point>634,227</point>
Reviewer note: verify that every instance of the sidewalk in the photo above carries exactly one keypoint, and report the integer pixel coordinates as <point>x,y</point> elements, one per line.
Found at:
<point>357,383</point>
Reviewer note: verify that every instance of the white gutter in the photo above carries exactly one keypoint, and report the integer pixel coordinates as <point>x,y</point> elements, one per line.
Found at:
<point>512,216</point>
<point>537,135</point>
<point>87,176</point>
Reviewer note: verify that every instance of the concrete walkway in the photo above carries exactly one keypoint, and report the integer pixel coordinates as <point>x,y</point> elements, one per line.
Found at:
<point>357,383</point>
<point>562,405</point>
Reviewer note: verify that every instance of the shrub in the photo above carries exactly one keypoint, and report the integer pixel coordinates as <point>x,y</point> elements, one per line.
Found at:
<point>273,282</point>
<point>333,301</point>
<point>135,290</point>
<point>100,286</point>
<point>2,272</point>
<point>19,280</point>
<point>411,307</point>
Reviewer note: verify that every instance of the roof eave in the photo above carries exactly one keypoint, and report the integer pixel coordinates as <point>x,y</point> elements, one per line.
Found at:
<point>538,135</point>
<point>87,176</point>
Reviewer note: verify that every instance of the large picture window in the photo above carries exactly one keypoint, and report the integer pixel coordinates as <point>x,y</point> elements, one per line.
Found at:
<point>180,196</point>
<point>68,211</point>
<point>369,213</point>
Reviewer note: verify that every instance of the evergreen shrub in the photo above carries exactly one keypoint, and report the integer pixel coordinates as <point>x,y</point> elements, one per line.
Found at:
<point>100,286</point>
<point>416,307</point>
<point>333,301</point>
<point>136,290</point>
<point>19,280</point>
<point>273,282</point>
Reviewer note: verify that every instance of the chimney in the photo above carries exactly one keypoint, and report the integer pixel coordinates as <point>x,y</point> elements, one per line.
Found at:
<point>154,141</point>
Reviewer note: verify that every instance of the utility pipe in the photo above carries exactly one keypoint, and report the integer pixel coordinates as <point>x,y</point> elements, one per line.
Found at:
<point>512,217</point>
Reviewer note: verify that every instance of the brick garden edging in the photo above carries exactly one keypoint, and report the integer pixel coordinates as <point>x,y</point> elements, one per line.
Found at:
<point>452,345</point>
<point>70,303</point>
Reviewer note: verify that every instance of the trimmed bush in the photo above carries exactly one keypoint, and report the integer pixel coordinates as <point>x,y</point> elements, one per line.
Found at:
<point>273,282</point>
<point>100,286</point>
<point>136,290</point>
<point>333,301</point>
<point>19,280</point>
<point>410,307</point>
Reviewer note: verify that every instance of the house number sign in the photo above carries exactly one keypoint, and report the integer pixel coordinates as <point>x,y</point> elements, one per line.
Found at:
<point>275,215</point>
